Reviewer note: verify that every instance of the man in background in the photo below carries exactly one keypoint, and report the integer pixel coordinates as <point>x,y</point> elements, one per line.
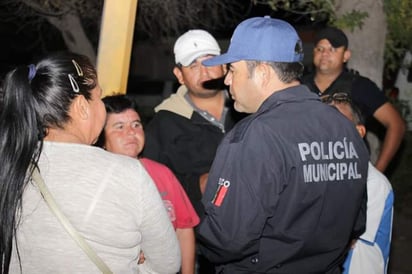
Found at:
<point>330,55</point>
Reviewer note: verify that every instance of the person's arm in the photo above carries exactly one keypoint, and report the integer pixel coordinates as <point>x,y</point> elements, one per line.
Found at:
<point>186,237</point>
<point>159,242</point>
<point>236,209</point>
<point>184,216</point>
<point>203,182</point>
<point>379,192</point>
<point>390,118</point>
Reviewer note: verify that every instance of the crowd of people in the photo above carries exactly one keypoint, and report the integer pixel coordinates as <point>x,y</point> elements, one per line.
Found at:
<point>249,167</point>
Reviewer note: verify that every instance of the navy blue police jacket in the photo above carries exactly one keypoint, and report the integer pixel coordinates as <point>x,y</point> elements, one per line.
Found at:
<point>287,189</point>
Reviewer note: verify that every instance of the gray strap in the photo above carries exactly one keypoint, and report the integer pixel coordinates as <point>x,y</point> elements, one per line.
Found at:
<point>67,225</point>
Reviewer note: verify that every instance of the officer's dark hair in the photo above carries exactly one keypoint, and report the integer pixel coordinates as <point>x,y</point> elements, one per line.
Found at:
<point>287,72</point>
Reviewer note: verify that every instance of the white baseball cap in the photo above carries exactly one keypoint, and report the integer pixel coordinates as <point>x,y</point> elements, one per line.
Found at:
<point>194,44</point>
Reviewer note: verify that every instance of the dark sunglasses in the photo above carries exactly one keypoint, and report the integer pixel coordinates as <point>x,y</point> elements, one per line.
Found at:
<point>337,97</point>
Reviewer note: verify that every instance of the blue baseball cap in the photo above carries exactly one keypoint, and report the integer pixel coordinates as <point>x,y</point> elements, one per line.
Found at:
<point>262,39</point>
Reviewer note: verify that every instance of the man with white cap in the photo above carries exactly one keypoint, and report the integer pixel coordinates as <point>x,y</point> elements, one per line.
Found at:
<point>286,191</point>
<point>188,126</point>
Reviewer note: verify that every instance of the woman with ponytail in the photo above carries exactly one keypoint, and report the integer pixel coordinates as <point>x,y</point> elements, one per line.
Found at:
<point>50,114</point>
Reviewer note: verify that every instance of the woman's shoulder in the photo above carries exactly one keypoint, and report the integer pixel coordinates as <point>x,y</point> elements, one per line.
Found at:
<point>88,159</point>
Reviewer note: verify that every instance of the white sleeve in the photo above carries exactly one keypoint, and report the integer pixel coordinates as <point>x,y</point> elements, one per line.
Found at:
<point>366,259</point>
<point>378,189</point>
<point>159,242</point>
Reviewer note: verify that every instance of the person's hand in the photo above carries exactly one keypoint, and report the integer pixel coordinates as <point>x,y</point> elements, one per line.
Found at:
<point>353,243</point>
<point>203,182</point>
<point>141,258</point>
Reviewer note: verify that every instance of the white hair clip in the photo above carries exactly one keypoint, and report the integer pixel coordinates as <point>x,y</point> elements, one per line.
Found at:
<point>78,68</point>
<point>74,84</point>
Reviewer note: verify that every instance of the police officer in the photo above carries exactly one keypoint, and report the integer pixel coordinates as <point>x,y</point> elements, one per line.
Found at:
<point>286,191</point>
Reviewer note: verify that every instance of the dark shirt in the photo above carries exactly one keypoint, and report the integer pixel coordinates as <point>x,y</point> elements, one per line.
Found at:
<point>365,93</point>
<point>186,144</point>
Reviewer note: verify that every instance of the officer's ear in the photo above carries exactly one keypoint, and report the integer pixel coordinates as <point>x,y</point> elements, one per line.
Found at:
<point>264,73</point>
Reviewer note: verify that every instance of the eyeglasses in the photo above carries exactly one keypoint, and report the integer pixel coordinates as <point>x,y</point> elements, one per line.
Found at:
<point>337,97</point>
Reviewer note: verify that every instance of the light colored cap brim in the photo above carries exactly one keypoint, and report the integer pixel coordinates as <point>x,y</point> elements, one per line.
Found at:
<point>187,60</point>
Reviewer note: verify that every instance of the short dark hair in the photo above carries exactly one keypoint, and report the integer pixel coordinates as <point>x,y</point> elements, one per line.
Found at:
<point>287,72</point>
<point>358,117</point>
<point>116,104</point>
<point>345,99</point>
<point>119,103</point>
